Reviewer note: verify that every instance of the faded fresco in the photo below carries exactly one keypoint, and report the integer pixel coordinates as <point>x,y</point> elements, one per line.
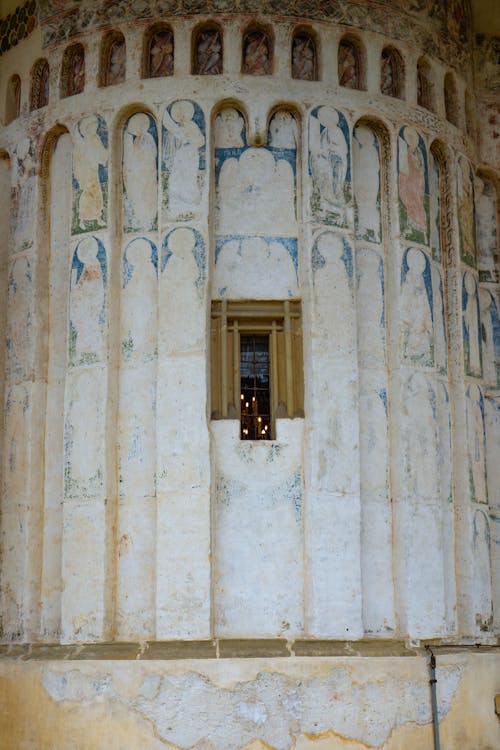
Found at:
<point>470,325</point>
<point>490,335</point>
<point>413,186</point>
<point>84,430</point>
<point>371,307</point>
<point>416,311</point>
<point>374,439</point>
<point>366,180</point>
<point>421,438</point>
<point>330,167</point>
<point>23,195</point>
<point>140,173</point>
<point>116,63</point>
<point>481,545</point>
<point>348,65</point>
<point>445,445</point>
<point>90,175</point>
<point>139,300</point>
<point>87,315</point>
<point>256,253</point>
<point>434,207</point>
<point>16,456</point>
<point>161,54</point>
<point>332,265</point>
<point>257,53</point>
<point>137,431</point>
<point>466,214</point>
<point>476,444</point>
<point>183,277</point>
<point>487,234</point>
<point>208,56</point>
<point>304,58</point>
<point>183,160</point>
<point>20,292</point>
<point>439,319</point>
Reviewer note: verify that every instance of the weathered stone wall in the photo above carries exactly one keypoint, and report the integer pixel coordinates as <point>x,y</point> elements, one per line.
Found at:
<point>128,514</point>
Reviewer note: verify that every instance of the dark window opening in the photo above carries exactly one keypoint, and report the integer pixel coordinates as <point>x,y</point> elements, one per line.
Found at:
<point>255,397</point>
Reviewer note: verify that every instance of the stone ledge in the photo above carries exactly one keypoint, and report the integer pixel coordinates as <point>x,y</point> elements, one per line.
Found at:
<point>240,649</point>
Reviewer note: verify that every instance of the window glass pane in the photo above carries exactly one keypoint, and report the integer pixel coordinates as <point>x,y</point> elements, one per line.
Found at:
<point>255,391</point>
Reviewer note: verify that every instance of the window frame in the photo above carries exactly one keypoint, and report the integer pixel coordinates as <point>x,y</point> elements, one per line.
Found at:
<point>282,321</point>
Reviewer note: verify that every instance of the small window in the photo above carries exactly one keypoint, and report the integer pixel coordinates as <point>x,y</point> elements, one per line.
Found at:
<point>256,367</point>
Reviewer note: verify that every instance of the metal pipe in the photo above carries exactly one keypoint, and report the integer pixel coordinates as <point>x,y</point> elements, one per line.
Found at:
<point>435,717</point>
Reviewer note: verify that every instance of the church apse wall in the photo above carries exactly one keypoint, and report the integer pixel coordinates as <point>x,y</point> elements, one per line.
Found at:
<point>251,383</point>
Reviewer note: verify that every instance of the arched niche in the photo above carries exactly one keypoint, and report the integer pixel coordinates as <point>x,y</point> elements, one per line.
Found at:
<point>39,94</point>
<point>73,71</point>
<point>450,99</point>
<point>257,50</point>
<point>351,62</point>
<point>113,59</point>
<point>158,51</point>
<point>207,50</point>
<point>304,52</point>
<point>13,99</point>
<point>425,85</point>
<point>439,201</point>
<point>392,73</point>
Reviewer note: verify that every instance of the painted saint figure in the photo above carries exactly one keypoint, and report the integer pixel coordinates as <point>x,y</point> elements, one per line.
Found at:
<point>208,60</point>
<point>116,63</point>
<point>421,437</point>
<point>487,337</point>
<point>87,296</point>
<point>76,71</point>
<point>348,64</point>
<point>440,351</point>
<point>476,444</point>
<point>328,162</point>
<point>229,127</point>
<point>161,54</point>
<point>283,131</point>
<point>257,54</point>
<point>412,184</point>
<point>466,219</point>
<point>486,216</point>
<point>471,326</point>
<point>388,83</point>
<point>90,153</point>
<point>140,173</point>
<point>416,315</point>
<point>183,142</point>
<point>304,58</point>
<point>138,308</point>
<point>366,177</point>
